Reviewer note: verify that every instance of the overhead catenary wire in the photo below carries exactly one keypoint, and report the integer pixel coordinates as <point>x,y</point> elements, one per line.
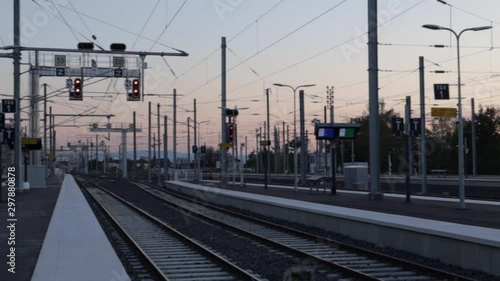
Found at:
<point>145,24</point>
<point>269,46</point>
<point>168,24</point>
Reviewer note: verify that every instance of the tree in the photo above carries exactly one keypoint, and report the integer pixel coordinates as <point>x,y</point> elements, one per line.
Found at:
<point>390,146</point>
<point>488,140</point>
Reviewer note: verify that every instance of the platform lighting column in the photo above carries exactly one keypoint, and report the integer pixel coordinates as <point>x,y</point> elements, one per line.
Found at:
<point>461,189</point>
<point>295,159</point>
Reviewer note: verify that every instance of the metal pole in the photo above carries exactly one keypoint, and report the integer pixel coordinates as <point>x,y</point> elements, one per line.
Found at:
<point>257,154</point>
<point>423,138</point>
<point>284,150</point>
<point>17,90</point>
<point>44,128</point>
<point>276,151</point>
<point>124,154</point>
<point>242,181</point>
<point>96,153</point>
<point>34,107</point>
<point>50,139</point>
<point>175,135</point>
<point>295,160</point>
<point>54,151</point>
<point>223,152</point>
<point>325,143</point>
<point>195,143</point>
<point>159,144</point>
<point>149,142</point>
<point>189,143</point>
<point>374,130</point>
<point>303,149</point>
<point>288,148</point>
<point>333,188</point>
<point>268,134</point>
<point>474,145</point>
<point>165,146</point>
<point>461,189</point>
<point>134,167</point>
<point>408,147</point>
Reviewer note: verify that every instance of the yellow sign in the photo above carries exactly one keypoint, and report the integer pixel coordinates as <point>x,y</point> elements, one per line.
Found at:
<point>447,112</point>
<point>226,145</point>
<point>29,141</point>
<point>50,156</point>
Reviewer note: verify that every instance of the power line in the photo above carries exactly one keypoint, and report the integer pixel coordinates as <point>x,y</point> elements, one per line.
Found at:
<point>114,26</point>
<point>230,39</point>
<point>64,20</point>
<point>269,46</point>
<point>145,24</point>
<point>467,12</point>
<point>170,22</point>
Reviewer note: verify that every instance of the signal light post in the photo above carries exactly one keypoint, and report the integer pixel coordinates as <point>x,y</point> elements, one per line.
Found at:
<point>230,132</point>
<point>136,91</point>
<point>77,90</point>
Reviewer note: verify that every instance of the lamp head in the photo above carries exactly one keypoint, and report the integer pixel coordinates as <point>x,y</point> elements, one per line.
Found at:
<point>432,26</point>
<point>481,28</point>
<point>278,84</point>
<point>308,85</point>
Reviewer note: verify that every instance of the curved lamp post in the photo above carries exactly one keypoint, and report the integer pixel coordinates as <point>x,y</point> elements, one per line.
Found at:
<point>461,183</point>
<point>295,161</point>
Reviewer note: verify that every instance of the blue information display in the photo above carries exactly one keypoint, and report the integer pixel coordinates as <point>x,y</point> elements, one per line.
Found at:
<point>326,133</point>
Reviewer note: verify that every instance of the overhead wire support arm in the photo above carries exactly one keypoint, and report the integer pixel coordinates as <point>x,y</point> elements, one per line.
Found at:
<point>140,53</point>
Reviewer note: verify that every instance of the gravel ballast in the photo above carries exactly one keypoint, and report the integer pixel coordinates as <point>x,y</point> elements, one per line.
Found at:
<point>246,253</point>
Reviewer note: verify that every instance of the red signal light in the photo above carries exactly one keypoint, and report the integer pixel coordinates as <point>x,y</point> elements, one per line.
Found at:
<point>135,87</point>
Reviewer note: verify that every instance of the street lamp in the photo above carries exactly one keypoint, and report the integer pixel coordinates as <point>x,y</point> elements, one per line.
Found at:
<point>461,183</point>
<point>295,161</point>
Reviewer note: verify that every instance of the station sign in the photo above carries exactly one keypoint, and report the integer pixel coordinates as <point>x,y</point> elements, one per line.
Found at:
<point>9,106</point>
<point>442,91</point>
<point>398,127</point>
<point>447,112</point>
<point>31,143</point>
<point>415,127</point>
<point>226,145</point>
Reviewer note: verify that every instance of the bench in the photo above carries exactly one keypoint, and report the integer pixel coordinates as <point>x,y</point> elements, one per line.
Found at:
<point>317,181</point>
<point>440,172</point>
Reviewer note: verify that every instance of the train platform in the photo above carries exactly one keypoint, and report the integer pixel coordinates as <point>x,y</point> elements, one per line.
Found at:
<point>477,212</point>
<point>75,246</point>
<point>428,226</point>
<point>33,211</point>
<point>59,238</point>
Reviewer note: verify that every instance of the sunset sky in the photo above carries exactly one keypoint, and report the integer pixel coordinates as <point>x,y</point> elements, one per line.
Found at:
<point>273,41</point>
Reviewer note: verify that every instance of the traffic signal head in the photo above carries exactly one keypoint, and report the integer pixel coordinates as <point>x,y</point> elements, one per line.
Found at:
<point>230,132</point>
<point>135,88</point>
<point>135,95</point>
<point>78,91</point>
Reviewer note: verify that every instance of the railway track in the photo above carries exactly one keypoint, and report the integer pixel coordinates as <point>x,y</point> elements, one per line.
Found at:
<point>171,254</point>
<point>353,261</point>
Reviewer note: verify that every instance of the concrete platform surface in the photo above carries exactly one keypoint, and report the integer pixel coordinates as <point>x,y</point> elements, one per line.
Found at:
<point>477,213</point>
<point>431,228</point>
<point>75,247</point>
<point>431,225</point>
<point>33,211</point>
